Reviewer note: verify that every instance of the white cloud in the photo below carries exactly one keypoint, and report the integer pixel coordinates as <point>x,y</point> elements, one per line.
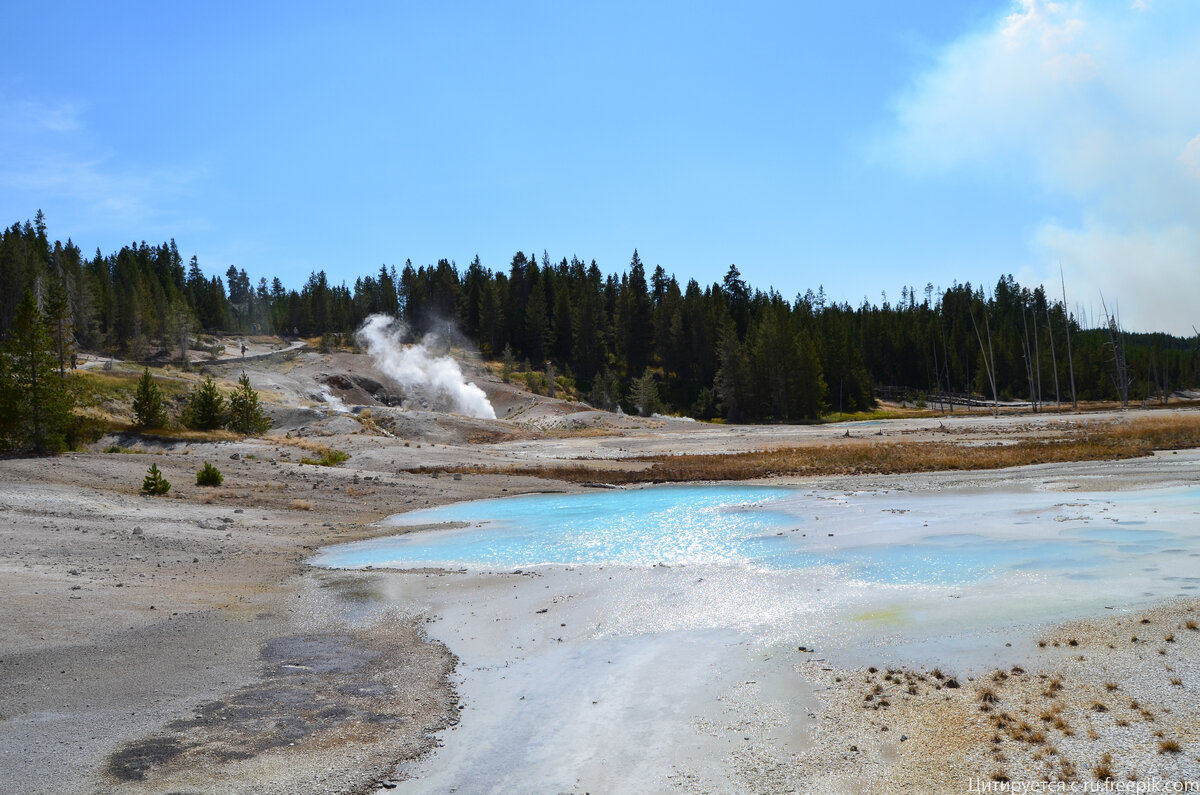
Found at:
<point>54,161</point>
<point>1154,273</point>
<point>1190,157</point>
<point>1095,103</point>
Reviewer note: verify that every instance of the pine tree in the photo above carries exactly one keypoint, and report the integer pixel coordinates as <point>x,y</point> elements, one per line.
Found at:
<point>35,400</point>
<point>206,407</point>
<point>245,411</point>
<point>606,391</point>
<point>154,482</point>
<point>644,394</point>
<point>58,320</point>
<point>148,408</point>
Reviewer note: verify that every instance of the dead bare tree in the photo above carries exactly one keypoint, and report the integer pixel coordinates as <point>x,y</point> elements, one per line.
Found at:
<point>1037,354</point>
<point>1053,358</point>
<point>1116,342</point>
<point>1028,359</point>
<point>987,359</point>
<point>1067,318</point>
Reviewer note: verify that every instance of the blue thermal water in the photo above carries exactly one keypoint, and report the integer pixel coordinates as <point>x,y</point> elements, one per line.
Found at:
<point>889,538</point>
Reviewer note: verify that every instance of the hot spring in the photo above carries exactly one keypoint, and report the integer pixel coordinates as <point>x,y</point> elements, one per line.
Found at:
<point>1145,539</point>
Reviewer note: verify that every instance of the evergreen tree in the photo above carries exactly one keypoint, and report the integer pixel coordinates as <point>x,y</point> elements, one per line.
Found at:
<point>606,391</point>
<point>154,482</point>
<point>245,412</point>
<point>36,400</point>
<point>643,393</point>
<point>148,408</point>
<point>58,320</point>
<point>206,407</point>
<point>536,326</point>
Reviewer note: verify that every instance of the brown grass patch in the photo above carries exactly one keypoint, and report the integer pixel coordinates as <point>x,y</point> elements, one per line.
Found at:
<point>1107,441</point>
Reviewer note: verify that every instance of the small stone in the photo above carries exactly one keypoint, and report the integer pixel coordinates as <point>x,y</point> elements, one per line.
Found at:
<point>195,560</point>
<point>239,510</point>
<point>235,457</point>
<point>74,572</point>
<point>137,531</point>
<point>903,737</point>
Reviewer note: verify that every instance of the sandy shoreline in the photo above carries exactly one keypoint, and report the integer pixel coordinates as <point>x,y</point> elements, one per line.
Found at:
<point>183,643</point>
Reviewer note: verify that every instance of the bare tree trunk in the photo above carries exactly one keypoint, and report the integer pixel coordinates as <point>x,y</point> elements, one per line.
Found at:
<point>1120,373</point>
<point>1028,361</point>
<point>182,329</point>
<point>1070,360</point>
<point>1053,359</point>
<point>1037,354</point>
<point>987,365</point>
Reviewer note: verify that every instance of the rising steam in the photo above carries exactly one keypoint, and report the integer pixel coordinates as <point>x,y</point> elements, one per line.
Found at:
<point>415,368</point>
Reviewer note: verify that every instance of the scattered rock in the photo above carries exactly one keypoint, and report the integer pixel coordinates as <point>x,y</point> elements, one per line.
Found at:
<point>235,457</point>
<point>137,531</point>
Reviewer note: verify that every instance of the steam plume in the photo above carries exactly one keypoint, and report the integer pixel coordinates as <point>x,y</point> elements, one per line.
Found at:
<point>414,367</point>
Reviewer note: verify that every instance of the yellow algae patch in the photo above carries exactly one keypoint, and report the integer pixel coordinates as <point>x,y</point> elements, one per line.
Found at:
<point>884,615</point>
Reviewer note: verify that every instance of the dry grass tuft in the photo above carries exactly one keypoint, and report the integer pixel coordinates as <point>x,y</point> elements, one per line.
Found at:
<point>1105,441</point>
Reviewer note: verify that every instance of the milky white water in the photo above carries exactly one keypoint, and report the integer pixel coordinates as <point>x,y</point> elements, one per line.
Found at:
<point>653,633</point>
<point>1120,544</point>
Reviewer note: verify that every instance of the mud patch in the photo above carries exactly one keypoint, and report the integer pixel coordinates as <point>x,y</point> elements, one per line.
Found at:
<point>317,691</point>
<point>133,761</point>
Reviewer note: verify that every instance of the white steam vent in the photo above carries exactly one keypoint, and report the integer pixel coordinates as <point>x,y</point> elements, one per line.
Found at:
<point>413,367</point>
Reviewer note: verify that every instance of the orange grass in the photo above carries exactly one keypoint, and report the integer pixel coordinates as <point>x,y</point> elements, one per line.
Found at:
<point>1110,441</point>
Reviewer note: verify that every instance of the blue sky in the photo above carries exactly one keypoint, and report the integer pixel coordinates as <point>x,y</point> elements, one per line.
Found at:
<point>862,146</point>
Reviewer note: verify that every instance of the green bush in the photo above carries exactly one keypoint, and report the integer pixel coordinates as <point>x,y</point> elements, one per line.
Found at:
<point>148,408</point>
<point>329,458</point>
<point>155,483</point>
<point>206,407</point>
<point>245,412</point>
<point>209,475</point>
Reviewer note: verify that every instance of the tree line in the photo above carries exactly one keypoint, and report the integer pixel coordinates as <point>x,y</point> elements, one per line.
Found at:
<point>725,349</point>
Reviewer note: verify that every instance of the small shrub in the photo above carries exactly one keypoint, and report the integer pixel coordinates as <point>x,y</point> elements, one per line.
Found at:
<point>329,458</point>
<point>209,475</point>
<point>155,483</point>
<point>1168,747</point>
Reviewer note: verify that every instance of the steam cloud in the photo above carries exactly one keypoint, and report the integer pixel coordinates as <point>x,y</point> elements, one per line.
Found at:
<point>414,367</point>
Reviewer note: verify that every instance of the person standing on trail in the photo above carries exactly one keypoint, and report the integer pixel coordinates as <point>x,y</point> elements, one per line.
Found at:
<point>243,350</point>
